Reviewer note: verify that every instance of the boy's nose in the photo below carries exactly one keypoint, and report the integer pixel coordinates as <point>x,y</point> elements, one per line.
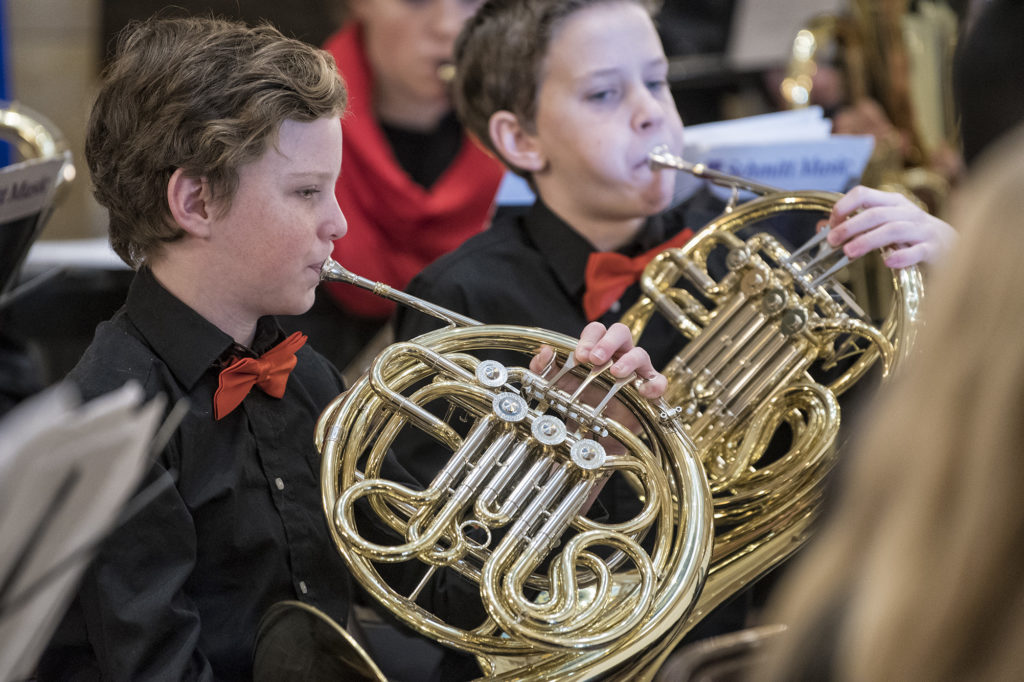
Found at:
<point>335,226</point>
<point>649,112</point>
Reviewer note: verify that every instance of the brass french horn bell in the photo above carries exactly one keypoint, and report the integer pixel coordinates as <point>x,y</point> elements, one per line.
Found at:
<point>564,594</point>
<point>770,336</point>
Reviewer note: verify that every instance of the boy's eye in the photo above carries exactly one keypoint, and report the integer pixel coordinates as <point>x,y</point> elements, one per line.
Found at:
<point>309,192</point>
<point>600,95</point>
<point>657,85</point>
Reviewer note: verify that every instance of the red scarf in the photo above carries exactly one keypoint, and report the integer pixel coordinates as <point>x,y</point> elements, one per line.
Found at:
<point>395,226</point>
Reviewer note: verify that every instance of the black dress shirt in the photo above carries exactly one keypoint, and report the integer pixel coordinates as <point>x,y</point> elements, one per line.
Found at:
<point>177,591</point>
<point>528,269</point>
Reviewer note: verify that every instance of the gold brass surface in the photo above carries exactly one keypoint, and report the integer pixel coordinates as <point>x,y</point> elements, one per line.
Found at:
<point>35,137</point>
<point>296,641</point>
<point>770,340</point>
<point>566,595</point>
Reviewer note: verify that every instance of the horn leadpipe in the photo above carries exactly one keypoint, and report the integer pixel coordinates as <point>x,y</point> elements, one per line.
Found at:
<point>661,157</point>
<point>332,271</point>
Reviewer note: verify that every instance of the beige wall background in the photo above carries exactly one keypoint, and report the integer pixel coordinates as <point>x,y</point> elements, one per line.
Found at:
<point>54,52</point>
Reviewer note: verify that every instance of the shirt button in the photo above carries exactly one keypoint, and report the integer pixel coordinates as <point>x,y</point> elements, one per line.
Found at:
<point>279,483</point>
<point>302,586</point>
<point>615,307</point>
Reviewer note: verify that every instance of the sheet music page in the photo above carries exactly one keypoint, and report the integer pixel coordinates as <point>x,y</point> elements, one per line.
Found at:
<point>791,150</point>
<point>27,187</point>
<point>66,471</point>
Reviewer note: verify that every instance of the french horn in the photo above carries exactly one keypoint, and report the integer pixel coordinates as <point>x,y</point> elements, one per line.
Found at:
<point>565,595</point>
<point>770,338</point>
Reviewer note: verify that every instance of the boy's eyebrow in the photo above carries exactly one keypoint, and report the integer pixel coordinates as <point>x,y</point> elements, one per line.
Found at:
<point>309,174</point>
<point>612,70</point>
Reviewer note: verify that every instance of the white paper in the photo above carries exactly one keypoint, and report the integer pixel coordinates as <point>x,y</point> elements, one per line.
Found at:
<point>66,471</point>
<point>27,187</point>
<point>808,123</point>
<point>77,253</point>
<point>791,150</point>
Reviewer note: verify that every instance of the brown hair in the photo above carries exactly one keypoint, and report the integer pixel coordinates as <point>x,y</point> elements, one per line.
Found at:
<point>200,94</point>
<point>916,575</point>
<point>499,56</point>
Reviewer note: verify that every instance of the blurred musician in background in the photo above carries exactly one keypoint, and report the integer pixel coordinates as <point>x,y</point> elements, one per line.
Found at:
<point>415,185</point>
<point>914,575</point>
<point>883,68</point>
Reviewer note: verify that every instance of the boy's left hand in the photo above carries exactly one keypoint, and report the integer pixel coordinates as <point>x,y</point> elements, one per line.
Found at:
<point>888,219</point>
<point>597,345</point>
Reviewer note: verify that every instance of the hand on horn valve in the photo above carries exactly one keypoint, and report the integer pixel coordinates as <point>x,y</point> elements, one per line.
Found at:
<point>598,346</point>
<point>865,219</point>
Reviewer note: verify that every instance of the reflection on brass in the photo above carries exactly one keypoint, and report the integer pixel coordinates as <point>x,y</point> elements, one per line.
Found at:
<point>35,137</point>
<point>297,641</point>
<point>32,137</point>
<point>566,596</point>
<point>446,73</point>
<point>770,338</point>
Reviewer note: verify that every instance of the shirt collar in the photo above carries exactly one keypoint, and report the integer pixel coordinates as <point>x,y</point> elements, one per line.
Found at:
<point>567,251</point>
<point>186,341</point>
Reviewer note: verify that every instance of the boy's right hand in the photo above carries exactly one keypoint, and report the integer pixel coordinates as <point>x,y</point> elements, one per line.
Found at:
<point>598,345</point>
<point>865,219</point>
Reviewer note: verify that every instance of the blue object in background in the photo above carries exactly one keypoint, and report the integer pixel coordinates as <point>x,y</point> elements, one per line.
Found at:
<point>5,148</point>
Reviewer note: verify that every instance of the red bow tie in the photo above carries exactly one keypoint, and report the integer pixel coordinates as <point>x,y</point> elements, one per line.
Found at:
<point>269,372</point>
<point>609,274</point>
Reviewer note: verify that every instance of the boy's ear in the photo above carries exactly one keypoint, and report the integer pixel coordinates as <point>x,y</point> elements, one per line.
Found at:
<point>516,145</point>
<point>189,202</point>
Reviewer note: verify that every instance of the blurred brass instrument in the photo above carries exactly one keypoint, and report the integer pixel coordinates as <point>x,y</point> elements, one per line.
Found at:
<point>902,59</point>
<point>33,138</point>
<point>769,343</point>
<point>446,73</point>
<point>565,595</point>
<point>32,135</point>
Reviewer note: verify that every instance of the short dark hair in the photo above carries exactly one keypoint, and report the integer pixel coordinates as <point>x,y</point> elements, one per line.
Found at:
<point>201,94</point>
<point>499,55</point>
<point>989,55</point>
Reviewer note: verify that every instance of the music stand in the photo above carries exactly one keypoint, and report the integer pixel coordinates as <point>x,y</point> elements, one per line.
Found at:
<point>66,471</point>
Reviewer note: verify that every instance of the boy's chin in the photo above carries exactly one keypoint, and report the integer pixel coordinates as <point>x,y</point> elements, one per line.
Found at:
<point>656,202</point>
<point>299,306</point>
